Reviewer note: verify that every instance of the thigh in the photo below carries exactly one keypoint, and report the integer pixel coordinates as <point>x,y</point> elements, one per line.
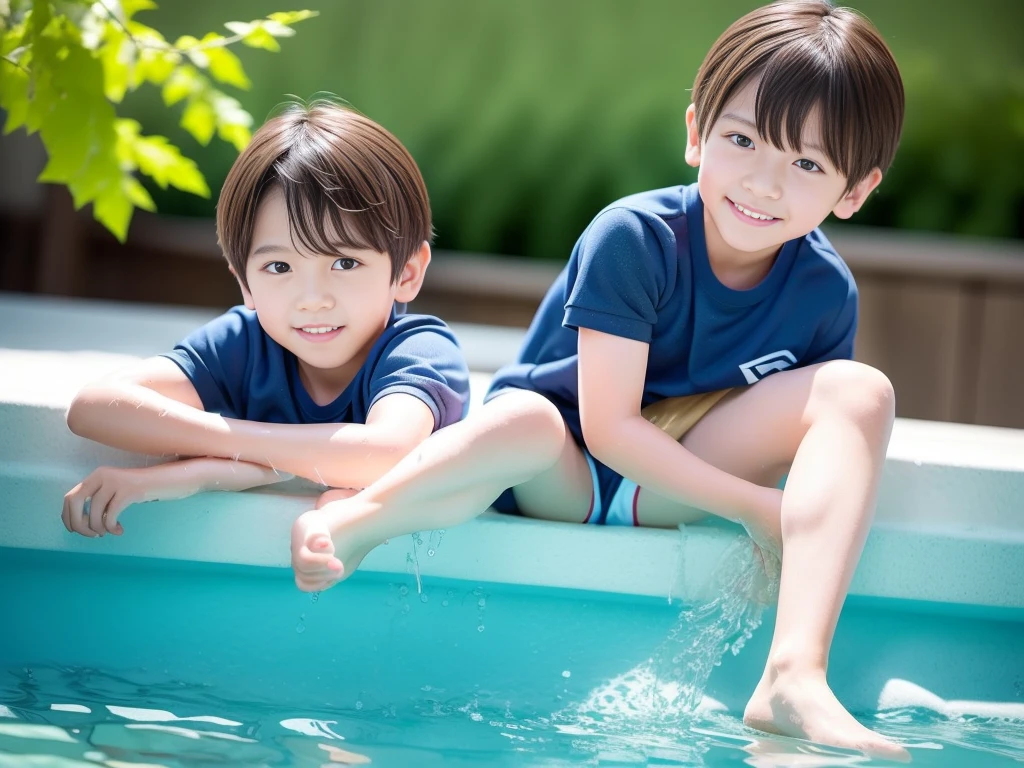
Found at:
<point>753,434</point>
<point>564,492</point>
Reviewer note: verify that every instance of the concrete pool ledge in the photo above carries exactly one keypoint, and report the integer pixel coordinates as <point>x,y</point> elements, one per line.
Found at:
<point>949,527</point>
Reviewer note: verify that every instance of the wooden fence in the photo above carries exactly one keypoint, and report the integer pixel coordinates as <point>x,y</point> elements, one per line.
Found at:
<point>943,317</point>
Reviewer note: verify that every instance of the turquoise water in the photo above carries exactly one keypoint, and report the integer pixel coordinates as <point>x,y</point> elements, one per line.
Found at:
<point>121,661</point>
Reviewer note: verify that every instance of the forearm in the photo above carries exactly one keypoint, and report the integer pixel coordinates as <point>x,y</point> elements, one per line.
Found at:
<point>337,455</point>
<point>134,418</point>
<point>207,474</point>
<point>637,449</point>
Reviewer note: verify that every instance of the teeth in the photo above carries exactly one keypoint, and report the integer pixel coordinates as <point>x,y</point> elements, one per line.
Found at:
<point>753,215</point>
<point>321,330</point>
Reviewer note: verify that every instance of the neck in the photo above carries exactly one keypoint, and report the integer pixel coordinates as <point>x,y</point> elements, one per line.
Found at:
<point>739,270</point>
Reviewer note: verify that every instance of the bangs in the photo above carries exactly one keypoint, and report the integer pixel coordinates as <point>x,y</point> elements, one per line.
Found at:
<point>325,213</point>
<point>801,80</point>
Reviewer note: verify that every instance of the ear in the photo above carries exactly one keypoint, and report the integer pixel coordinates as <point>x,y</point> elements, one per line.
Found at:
<point>246,296</point>
<point>692,137</point>
<point>411,279</point>
<point>851,202</point>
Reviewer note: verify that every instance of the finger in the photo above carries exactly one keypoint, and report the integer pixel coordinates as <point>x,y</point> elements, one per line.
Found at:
<point>65,513</point>
<point>98,508</point>
<point>117,505</point>
<point>77,504</point>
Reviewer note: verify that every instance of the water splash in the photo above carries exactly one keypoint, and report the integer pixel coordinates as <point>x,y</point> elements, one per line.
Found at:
<point>667,690</point>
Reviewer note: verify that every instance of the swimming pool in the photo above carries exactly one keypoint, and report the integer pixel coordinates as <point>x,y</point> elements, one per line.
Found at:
<point>502,642</point>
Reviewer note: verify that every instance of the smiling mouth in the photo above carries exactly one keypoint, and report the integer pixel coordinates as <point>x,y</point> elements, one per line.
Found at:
<point>319,329</point>
<point>752,214</point>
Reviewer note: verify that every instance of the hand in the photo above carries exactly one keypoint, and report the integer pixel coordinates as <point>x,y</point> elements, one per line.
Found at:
<point>109,490</point>
<point>764,524</point>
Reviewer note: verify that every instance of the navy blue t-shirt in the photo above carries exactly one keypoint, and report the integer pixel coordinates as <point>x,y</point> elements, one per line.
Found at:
<point>240,372</point>
<point>640,270</point>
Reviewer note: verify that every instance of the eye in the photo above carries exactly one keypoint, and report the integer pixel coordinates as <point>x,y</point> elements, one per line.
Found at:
<point>345,264</point>
<point>741,141</point>
<point>277,267</point>
<point>807,165</point>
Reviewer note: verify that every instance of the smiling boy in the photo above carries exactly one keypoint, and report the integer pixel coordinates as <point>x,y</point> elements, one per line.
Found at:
<point>695,349</point>
<point>325,222</point>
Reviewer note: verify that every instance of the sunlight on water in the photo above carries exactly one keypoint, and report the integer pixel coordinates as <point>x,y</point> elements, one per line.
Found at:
<point>76,717</point>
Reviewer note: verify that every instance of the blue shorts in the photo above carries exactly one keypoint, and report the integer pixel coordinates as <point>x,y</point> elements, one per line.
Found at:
<point>612,502</point>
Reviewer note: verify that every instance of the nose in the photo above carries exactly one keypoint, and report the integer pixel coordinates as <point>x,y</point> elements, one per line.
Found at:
<point>315,295</point>
<point>763,181</point>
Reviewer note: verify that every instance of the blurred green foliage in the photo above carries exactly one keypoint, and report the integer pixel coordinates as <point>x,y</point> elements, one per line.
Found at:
<point>527,117</point>
<point>66,64</point>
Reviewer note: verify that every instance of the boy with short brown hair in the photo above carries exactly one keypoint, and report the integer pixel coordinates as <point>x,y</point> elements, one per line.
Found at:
<point>325,222</point>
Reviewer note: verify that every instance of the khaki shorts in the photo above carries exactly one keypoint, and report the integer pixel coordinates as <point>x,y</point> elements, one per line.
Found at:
<point>676,416</point>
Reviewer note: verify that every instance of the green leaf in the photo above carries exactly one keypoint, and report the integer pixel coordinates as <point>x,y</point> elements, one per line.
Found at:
<point>164,163</point>
<point>184,82</point>
<point>292,17</point>
<point>227,68</point>
<point>131,7</point>
<point>14,95</point>
<point>155,66</point>
<point>137,194</point>
<point>236,135</point>
<point>255,34</point>
<point>117,54</point>
<point>113,208</point>
<point>199,120</point>
<point>276,29</point>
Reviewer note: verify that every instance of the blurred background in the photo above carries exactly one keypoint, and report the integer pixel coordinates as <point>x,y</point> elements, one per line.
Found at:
<point>528,117</point>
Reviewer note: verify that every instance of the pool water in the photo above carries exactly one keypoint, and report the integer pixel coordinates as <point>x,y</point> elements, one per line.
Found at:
<point>124,662</point>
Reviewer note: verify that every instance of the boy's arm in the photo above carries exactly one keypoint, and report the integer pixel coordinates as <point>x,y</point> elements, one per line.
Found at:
<point>611,382</point>
<point>154,409</point>
<point>112,489</point>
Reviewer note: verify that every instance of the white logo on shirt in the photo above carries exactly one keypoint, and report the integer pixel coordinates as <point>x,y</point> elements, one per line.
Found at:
<point>756,370</point>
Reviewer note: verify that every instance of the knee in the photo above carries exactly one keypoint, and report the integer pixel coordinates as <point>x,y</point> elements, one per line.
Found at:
<point>533,424</point>
<point>854,391</point>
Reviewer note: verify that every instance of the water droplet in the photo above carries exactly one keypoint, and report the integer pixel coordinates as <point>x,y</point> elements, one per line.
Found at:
<point>314,597</point>
<point>424,598</point>
<point>567,673</point>
<point>476,717</point>
<point>451,593</point>
<point>430,553</point>
<point>444,603</point>
<point>480,628</point>
<point>481,602</point>
<point>403,590</point>
<point>405,608</point>
<point>359,705</point>
<point>300,627</point>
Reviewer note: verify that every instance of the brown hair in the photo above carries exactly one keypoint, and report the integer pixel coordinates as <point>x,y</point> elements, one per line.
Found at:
<point>347,182</point>
<point>809,54</point>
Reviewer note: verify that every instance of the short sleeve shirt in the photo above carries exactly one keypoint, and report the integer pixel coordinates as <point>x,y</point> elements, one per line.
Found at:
<point>240,372</point>
<point>640,270</point>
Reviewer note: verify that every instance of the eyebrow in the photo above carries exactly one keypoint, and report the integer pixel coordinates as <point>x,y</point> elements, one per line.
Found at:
<point>270,248</point>
<point>745,121</point>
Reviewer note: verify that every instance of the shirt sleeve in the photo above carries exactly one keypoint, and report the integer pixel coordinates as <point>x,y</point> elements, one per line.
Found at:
<point>835,340</point>
<point>427,363</point>
<point>215,359</point>
<point>621,275</point>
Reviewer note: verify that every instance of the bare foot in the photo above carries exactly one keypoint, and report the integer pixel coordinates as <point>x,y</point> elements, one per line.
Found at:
<point>321,554</point>
<point>801,705</point>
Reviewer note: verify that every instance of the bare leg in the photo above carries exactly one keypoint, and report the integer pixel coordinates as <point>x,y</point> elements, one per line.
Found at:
<point>831,423</point>
<point>517,439</point>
